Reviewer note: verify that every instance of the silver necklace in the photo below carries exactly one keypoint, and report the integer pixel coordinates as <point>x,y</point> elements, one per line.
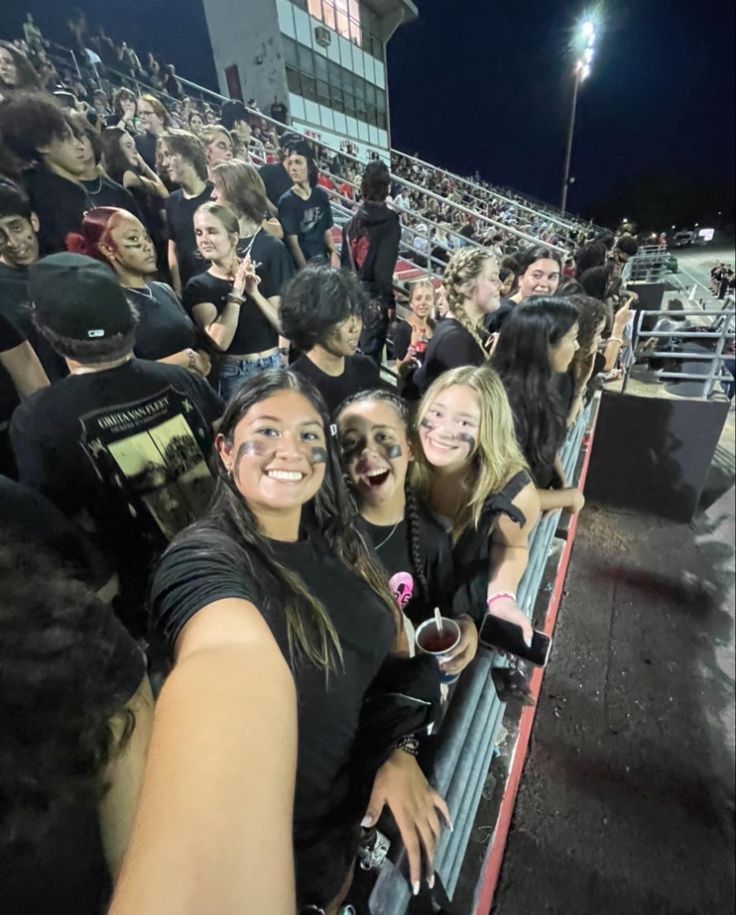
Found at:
<point>391,533</point>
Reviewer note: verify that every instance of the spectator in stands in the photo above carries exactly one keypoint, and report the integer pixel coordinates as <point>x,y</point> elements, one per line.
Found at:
<point>281,546</point>
<point>322,314</point>
<point>234,118</point>
<point>124,111</point>
<point>539,274</point>
<point>472,285</point>
<point>154,120</point>
<point>279,111</point>
<point>164,331</point>
<point>217,144</point>
<point>470,471</point>
<point>195,122</point>
<point>125,165</point>
<point>588,256</point>
<point>72,770</point>
<point>121,441</point>
<point>304,210</point>
<point>35,129</point>
<point>227,303</point>
<point>183,159</point>
<point>101,189</point>
<point>101,108</point>
<point>171,83</point>
<point>537,342</point>
<point>16,71</point>
<point>441,305</point>
<point>276,177</point>
<point>374,431</point>
<point>411,338</point>
<point>238,185</point>
<point>370,247</point>
<point>153,68</point>
<point>593,318</point>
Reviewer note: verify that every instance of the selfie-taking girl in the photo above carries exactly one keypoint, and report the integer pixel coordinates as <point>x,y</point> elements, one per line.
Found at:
<point>275,592</point>
<point>470,471</point>
<point>416,551</point>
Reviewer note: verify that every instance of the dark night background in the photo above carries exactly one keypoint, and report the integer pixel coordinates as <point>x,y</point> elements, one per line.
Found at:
<point>478,84</point>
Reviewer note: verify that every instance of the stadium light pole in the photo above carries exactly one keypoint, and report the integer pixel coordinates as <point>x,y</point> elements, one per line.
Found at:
<point>586,39</point>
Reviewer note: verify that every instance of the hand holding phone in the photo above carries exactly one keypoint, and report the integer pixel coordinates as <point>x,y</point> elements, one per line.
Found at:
<point>500,634</point>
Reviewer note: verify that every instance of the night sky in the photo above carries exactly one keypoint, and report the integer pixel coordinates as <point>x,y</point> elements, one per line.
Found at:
<point>487,85</point>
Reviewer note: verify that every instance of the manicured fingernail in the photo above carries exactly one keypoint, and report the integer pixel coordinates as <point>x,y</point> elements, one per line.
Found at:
<point>430,882</point>
<point>415,888</point>
<point>365,822</point>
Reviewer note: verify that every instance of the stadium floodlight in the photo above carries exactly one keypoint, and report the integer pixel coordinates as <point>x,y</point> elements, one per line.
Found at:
<point>584,43</point>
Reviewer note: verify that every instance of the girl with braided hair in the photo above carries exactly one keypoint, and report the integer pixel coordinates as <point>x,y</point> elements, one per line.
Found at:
<point>374,431</point>
<point>473,288</point>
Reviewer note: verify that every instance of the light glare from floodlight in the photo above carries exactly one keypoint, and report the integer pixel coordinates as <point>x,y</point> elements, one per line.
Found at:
<point>588,30</point>
<point>588,56</point>
<point>585,72</point>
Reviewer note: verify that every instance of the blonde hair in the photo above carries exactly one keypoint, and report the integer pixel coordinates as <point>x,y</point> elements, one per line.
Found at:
<point>418,284</point>
<point>243,187</point>
<point>460,277</point>
<point>497,457</point>
<point>224,214</point>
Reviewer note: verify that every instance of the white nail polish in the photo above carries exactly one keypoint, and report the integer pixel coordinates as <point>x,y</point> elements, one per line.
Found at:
<point>415,888</point>
<point>430,882</point>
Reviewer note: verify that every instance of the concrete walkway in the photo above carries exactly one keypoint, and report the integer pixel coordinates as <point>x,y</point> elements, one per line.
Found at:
<point>627,802</point>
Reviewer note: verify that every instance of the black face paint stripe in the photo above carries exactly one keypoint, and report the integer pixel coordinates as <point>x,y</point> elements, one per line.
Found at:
<point>318,455</point>
<point>393,452</point>
<point>251,447</point>
<point>427,424</point>
<point>467,438</point>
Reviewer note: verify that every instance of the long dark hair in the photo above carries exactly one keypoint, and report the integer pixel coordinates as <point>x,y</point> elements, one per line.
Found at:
<point>115,161</point>
<point>522,359</point>
<point>411,509</point>
<point>59,657</point>
<point>232,525</point>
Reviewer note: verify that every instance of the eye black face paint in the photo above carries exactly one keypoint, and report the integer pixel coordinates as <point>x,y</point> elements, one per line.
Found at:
<point>318,455</point>
<point>393,452</point>
<point>467,439</point>
<point>427,424</point>
<point>352,449</point>
<point>249,449</point>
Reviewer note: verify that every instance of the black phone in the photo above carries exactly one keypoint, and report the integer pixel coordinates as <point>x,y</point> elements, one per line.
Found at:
<point>500,634</point>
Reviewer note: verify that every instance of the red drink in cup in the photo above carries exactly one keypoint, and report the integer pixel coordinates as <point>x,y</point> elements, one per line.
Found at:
<point>439,641</point>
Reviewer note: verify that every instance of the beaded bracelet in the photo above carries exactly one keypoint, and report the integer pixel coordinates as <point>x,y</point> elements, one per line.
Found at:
<point>408,744</point>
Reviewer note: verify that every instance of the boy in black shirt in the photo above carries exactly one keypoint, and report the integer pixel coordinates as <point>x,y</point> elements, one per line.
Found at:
<point>304,210</point>
<point>322,314</point>
<point>276,178</point>
<point>184,159</point>
<point>121,445</point>
<point>34,128</point>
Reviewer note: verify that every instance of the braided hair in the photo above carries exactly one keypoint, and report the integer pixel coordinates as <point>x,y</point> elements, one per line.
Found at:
<point>461,274</point>
<point>411,509</point>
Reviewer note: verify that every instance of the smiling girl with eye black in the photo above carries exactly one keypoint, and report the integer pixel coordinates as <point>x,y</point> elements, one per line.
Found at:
<point>470,470</point>
<point>413,548</point>
<point>277,619</point>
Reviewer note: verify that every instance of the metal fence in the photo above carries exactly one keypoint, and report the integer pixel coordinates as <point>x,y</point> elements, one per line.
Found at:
<point>470,729</point>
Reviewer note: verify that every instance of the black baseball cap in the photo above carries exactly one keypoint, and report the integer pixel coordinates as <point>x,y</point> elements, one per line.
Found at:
<point>78,297</point>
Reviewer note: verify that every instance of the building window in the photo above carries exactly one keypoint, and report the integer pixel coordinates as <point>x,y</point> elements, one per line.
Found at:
<point>358,25</point>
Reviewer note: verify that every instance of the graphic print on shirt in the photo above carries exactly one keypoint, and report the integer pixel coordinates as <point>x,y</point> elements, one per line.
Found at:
<point>310,217</point>
<point>153,452</point>
<point>402,588</point>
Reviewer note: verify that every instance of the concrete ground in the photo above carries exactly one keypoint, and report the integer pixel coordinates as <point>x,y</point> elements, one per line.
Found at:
<point>626,806</point>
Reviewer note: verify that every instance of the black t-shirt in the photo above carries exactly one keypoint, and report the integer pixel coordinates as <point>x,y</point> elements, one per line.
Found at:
<point>272,261</point>
<point>10,338</point>
<point>59,205</point>
<point>450,347</point>
<point>64,868</point>
<point>15,307</point>
<point>126,449</point>
<point>254,333</point>
<point>307,219</point>
<point>205,565</point>
<point>361,374</point>
<point>279,112</point>
<point>394,549</point>
<point>471,553</point>
<point>277,181</point>
<point>146,144</point>
<point>104,192</point>
<point>180,212</point>
<point>164,327</point>
<point>27,517</point>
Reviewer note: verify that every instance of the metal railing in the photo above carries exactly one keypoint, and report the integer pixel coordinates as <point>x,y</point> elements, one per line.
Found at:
<point>721,328</point>
<point>468,734</point>
<point>648,265</point>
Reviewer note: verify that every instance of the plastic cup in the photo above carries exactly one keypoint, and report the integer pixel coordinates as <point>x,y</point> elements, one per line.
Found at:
<point>439,642</point>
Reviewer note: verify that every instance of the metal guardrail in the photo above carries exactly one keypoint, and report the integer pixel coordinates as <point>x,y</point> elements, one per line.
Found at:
<point>723,326</point>
<point>467,736</point>
<point>648,265</point>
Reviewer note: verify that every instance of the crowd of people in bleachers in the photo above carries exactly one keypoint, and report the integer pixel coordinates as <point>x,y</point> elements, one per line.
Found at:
<point>211,483</point>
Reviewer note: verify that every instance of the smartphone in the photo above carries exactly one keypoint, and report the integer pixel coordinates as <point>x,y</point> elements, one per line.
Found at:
<point>500,634</point>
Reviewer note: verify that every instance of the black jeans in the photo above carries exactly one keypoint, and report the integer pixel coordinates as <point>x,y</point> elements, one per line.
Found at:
<point>373,337</point>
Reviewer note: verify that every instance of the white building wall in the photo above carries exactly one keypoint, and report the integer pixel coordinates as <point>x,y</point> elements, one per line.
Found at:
<point>248,34</point>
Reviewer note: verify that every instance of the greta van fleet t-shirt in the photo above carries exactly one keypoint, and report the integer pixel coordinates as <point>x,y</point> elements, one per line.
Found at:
<point>124,453</point>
